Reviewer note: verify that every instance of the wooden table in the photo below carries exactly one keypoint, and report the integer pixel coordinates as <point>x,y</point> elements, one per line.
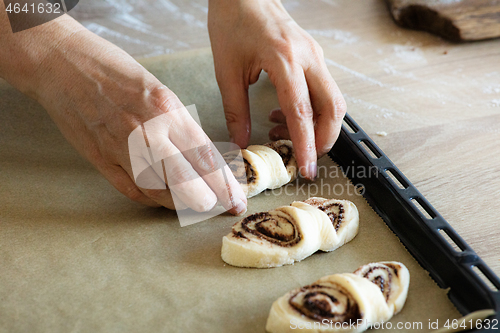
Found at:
<point>438,102</point>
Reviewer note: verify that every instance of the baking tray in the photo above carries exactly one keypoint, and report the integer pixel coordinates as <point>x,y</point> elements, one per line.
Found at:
<point>431,240</point>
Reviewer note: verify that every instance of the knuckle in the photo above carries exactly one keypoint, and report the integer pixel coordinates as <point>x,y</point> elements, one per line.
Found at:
<point>301,113</point>
<point>340,107</point>
<point>162,197</point>
<point>178,175</point>
<point>284,48</point>
<point>316,49</point>
<point>231,116</point>
<point>207,160</point>
<point>155,195</point>
<point>283,44</point>
<point>133,193</point>
<point>164,100</point>
<point>297,47</point>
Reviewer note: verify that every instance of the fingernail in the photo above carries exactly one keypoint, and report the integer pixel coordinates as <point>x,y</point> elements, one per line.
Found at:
<point>240,208</point>
<point>312,170</point>
<point>273,112</point>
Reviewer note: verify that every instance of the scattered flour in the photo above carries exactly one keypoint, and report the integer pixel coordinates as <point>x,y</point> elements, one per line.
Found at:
<point>495,103</point>
<point>493,89</point>
<point>409,54</point>
<point>342,36</point>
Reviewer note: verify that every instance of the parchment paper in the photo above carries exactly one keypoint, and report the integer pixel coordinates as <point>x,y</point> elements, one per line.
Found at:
<point>77,256</point>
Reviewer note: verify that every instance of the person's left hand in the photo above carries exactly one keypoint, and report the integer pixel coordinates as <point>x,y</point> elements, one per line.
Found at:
<point>250,36</point>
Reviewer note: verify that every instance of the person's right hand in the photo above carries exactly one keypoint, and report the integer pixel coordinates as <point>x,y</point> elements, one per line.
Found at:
<point>250,36</point>
<point>97,95</point>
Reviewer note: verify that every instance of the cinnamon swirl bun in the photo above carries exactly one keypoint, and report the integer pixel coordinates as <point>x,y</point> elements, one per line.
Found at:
<point>341,302</point>
<point>263,167</point>
<point>392,278</point>
<point>250,170</point>
<point>284,148</point>
<point>339,220</point>
<point>271,239</point>
<point>287,234</point>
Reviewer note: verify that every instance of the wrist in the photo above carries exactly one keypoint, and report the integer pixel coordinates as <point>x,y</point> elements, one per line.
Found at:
<point>23,55</point>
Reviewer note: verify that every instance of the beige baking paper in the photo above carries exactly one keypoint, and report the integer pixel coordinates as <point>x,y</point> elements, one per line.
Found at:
<point>77,256</point>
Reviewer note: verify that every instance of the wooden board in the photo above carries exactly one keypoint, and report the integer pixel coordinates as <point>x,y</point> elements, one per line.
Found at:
<point>456,20</point>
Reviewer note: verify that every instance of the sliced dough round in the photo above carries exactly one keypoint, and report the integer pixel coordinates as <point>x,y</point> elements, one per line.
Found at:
<point>393,279</point>
<point>271,239</point>
<point>343,218</point>
<point>250,170</point>
<point>261,167</point>
<point>334,299</point>
<point>327,232</point>
<point>288,234</point>
<point>285,149</point>
<point>277,171</point>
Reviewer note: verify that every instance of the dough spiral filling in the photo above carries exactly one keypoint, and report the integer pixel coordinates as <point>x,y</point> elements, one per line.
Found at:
<point>276,227</point>
<point>240,167</point>
<point>378,274</point>
<point>330,302</point>
<point>334,210</point>
<point>285,150</point>
<point>356,299</point>
<point>391,277</point>
<point>289,233</point>
<point>261,167</point>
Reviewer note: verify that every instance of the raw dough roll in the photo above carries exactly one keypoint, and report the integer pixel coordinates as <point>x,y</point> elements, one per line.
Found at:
<point>284,148</point>
<point>287,234</point>
<point>271,239</point>
<point>278,172</point>
<point>340,220</point>
<point>335,303</point>
<point>263,167</point>
<point>250,170</point>
<point>343,302</point>
<point>392,278</point>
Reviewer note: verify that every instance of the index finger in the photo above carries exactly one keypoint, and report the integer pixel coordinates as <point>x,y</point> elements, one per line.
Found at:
<point>329,105</point>
<point>293,97</point>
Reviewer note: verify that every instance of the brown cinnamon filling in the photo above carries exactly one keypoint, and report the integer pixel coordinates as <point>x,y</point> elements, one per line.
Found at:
<point>331,302</point>
<point>250,172</point>
<point>395,268</point>
<point>278,228</point>
<point>379,275</point>
<point>239,234</point>
<point>335,210</point>
<point>285,151</point>
<point>241,169</point>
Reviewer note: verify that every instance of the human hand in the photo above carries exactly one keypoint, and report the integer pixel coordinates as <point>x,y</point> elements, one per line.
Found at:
<point>250,36</point>
<point>97,95</point>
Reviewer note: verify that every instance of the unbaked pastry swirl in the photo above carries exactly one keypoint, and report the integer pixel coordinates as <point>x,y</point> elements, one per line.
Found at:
<point>392,278</point>
<point>284,148</point>
<point>340,220</point>
<point>336,303</point>
<point>287,234</point>
<point>263,167</point>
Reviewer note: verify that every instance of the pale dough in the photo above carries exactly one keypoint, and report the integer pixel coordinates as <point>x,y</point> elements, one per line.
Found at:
<point>289,233</point>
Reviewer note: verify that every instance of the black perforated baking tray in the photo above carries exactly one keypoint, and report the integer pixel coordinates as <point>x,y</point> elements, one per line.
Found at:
<point>437,247</point>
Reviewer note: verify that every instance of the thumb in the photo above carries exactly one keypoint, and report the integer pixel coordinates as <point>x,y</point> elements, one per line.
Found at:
<point>234,93</point>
